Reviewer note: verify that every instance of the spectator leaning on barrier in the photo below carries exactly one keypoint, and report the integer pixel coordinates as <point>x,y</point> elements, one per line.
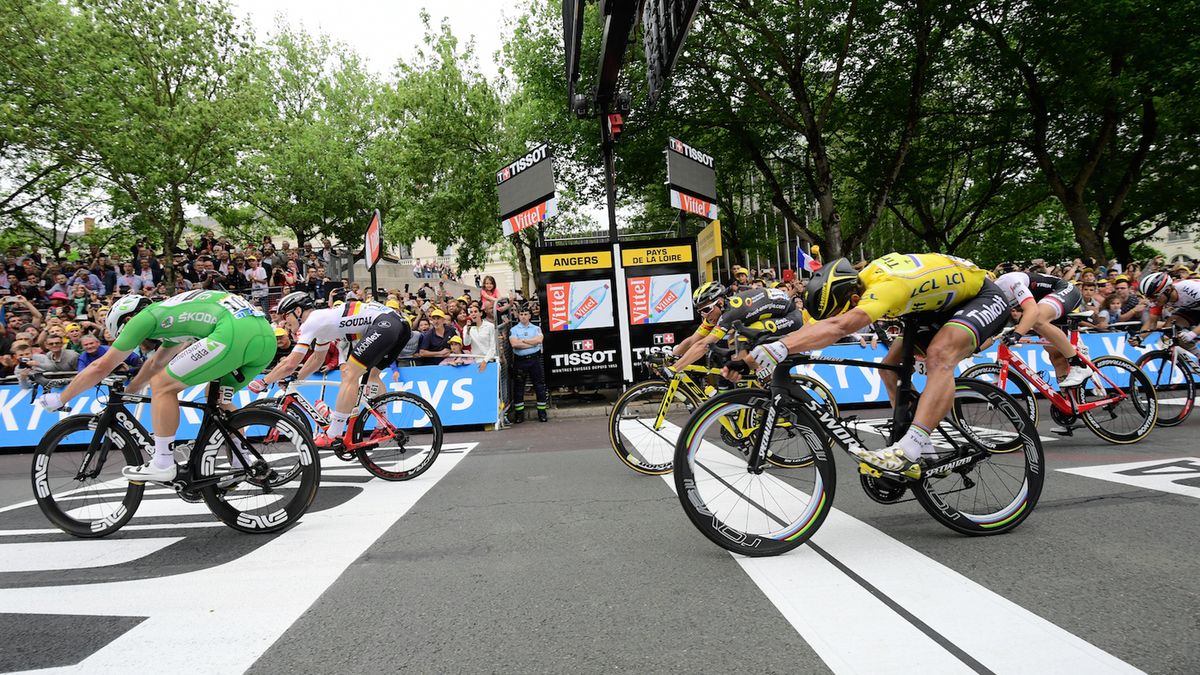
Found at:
<point>435,343</point>
<point>57,357</point>
<point>526,340</point>
<point>480,336</point>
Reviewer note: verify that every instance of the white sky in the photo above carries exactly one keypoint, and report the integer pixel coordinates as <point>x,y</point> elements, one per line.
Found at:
<point>382,31</point>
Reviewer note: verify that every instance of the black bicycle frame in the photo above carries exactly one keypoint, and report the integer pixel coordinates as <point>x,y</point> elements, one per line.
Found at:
<point>782,388</point>
<point>115,413</point>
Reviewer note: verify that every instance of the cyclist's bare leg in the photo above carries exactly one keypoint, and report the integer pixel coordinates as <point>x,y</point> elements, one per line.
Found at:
<point>949,346</point>
<point>890,378</point>
<point>1059,344</point>
<point>164,406</point>
<point>347,398</point>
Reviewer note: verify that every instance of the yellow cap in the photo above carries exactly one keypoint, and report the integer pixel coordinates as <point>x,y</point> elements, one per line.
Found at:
<point>72,326</point>
<point>338,303</point>
<point>456,339</point>
<point>394,304</point>
<point>280,332</point>
<point>436,313</point>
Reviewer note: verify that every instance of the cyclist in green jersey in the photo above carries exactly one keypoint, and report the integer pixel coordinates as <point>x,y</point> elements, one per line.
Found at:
<point>204,336</point>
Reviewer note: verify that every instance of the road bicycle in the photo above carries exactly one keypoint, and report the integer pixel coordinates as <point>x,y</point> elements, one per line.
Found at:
<point>644,421</point>
<point>257,470</point>
<point>382,430</point>
<point>1173,371</point>
<point>985,478</point>
<point>1117,402</point>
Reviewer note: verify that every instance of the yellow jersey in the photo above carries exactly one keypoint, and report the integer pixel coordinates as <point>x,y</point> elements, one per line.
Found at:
<point>899,284</point>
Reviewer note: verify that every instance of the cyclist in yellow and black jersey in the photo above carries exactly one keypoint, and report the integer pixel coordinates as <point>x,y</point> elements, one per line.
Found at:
<point>764,308</point>
<point>958,305</point>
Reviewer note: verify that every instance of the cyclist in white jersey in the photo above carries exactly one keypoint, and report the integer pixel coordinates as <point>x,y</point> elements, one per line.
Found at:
<point>1042,299</point>
<point>378,334</point>
<point>1172,302</point>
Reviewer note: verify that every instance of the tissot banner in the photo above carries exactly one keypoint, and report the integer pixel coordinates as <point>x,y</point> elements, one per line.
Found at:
<point>659,281</point>
<point>577,287</point>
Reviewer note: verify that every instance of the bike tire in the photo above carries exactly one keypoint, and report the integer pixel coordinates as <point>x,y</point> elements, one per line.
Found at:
<point>1138,412</point>
<point>1023,393</point>
<point>1176,378</point>
<point>293,478</point>
<point>392,459</point>
<point>754,514</point>
<point>1000,503</point>
<point>820,392</point>
<point>294,411</point>
<point>69,508</point>
<point>638,444</point>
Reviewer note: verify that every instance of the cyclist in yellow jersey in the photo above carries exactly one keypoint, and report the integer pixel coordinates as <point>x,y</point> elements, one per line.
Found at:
<point>959,306</point>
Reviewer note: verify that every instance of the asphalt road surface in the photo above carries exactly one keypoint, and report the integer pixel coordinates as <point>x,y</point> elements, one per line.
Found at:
<point>535,550</point>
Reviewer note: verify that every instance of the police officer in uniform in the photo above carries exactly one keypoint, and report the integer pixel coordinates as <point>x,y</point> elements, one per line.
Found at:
<point>526,340</point>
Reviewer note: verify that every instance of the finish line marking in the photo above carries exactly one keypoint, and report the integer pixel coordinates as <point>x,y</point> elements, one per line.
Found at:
<point>867,603</point>
<point>1164,475</point>
<point>218,612</point>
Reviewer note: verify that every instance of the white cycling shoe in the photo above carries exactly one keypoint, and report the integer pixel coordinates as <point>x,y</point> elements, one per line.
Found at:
<point>893,459</point>
<point>1075,377</point>
<point>149,472</point>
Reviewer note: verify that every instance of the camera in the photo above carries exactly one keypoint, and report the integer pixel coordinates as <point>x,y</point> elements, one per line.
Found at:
<point>24,361</point>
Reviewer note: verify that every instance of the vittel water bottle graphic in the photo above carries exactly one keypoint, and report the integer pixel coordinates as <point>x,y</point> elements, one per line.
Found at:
<point>589,303</point>
<point>669,297</point>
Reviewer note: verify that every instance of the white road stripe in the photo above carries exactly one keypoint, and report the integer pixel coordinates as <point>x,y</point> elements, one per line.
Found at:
<point>856,632</point>
<point>1161,478</point>
<point>194,611</point>
<point>63,555</point>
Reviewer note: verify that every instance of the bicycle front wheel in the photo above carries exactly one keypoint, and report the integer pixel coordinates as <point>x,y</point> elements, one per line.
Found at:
<point>999,481</point>
<point>761,510</point>
<point>643,429</point>
<point>272,493</point>
<point>402,434</point>
<point>1132,406</point>
<point>1174,381</point>
<point>80,488</point>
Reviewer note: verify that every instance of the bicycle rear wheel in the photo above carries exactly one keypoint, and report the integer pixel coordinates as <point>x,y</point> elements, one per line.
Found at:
<point>83,492</point>
<point>755,511</point>
<point>403,433</point>
<point>642,431</point>
<point>288,407</point>
<point>273,493</point>
<point>995,488</point>
<point>1174,381</point>
<point>1131,417</point>
<point>1015,386</point>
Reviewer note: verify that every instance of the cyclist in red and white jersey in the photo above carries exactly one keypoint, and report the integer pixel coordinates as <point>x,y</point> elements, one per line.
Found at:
<point>378,334</point>
<point>1173,302</point>
<point>1042,299</point>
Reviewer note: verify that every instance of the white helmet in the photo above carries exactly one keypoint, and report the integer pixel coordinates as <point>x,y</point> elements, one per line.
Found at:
<point>1154,284</point>
<point>123,310</point>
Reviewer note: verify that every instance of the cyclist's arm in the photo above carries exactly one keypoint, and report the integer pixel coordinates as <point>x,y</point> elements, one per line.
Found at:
<point>157,361</point>
<point>695,352</point>
<point>97,370</point>
<point>1029,316</point>
<point>824,333</point>
<point>313,363</point>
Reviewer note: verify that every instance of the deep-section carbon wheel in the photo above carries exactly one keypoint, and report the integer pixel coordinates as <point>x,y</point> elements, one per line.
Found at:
<point>756,510</point>
<point>402,434</point>
<point>80,488</point>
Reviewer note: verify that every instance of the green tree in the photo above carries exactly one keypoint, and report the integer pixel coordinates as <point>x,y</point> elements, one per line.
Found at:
<point>152,97</point>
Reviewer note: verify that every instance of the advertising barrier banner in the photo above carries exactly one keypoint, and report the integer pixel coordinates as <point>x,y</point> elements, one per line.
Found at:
<point>461,394</point>
<point>864,385</point>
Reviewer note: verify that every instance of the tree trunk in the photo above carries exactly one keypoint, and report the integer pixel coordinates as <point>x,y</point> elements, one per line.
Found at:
<point>1121,246</point>
<point>522,263</point>
<point>1089,240</point>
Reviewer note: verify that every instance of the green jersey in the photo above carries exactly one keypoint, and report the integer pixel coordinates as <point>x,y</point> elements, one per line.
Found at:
<point>184,318</point>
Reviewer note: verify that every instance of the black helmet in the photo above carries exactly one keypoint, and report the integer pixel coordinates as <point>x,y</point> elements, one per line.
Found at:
<point>293,301</point>
<point>1005,268</point>
<point>830,289</point>
<point>709,293</point>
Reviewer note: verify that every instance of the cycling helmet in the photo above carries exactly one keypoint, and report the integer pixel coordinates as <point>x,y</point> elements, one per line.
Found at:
<point>830,289</point>
<point>1155,284</point>
<point>293,301</point>
<point>123,310</point>
<point>1005,268</point>
<point>709,293</point>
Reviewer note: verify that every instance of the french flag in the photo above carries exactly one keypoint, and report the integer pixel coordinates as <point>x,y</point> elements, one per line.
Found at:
<point>805,262</point>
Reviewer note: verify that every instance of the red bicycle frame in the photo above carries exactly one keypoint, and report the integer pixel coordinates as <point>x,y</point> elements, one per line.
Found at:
<point>1069,406</point>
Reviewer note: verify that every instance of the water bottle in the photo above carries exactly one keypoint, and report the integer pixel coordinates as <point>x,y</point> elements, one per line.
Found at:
<point>322,408</point>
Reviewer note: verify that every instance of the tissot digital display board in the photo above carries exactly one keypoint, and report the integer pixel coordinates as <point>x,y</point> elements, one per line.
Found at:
<point>659,283</point>
<point>692,179</point>
<point>577,285</point>
<point>526,190</point>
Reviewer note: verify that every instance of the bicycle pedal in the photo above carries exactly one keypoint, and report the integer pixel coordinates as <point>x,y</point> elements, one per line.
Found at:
<point>869,470</point>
